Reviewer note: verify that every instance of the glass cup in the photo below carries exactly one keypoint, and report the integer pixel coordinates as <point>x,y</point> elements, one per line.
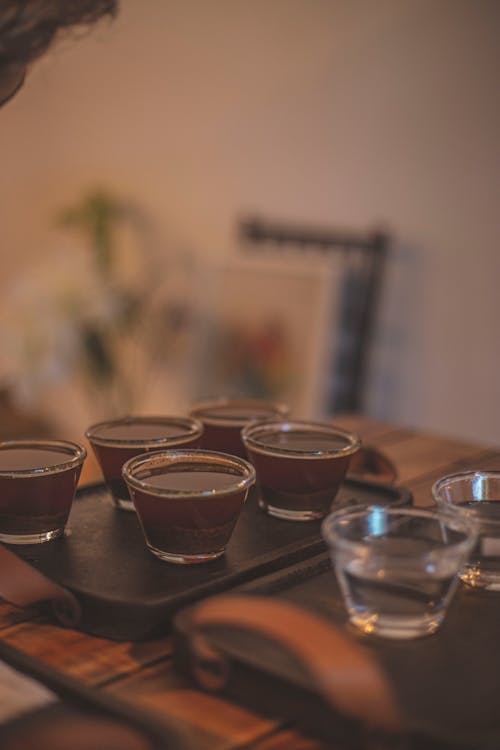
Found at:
<point>300,465</point>
<point>38,480</point>
<point>477,494</point>
<point>223,420</point>
<point>397,568</point>
<point>188,501</point>
<point>116,441</point>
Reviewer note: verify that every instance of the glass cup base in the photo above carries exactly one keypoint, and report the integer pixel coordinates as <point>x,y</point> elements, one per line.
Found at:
<point>395,627</point>
<point>479,578</point>
<point>290,515</point>
<point>180,559</point>
<point>38,538</point>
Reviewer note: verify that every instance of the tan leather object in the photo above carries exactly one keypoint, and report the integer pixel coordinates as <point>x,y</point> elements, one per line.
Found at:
<point>22,585</point>
<point>346,675</point>
<point>370,464</point>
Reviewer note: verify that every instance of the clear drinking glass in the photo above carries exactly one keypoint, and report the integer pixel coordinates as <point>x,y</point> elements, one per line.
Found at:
<point>188,501</point>
<point>477,494</point>
<point>38,480</point>
<point>300,465</point>
<point>116,441</point>
<point>397,568</point>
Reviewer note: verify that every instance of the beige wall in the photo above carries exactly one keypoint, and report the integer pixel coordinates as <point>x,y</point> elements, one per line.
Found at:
<point>346,112</point>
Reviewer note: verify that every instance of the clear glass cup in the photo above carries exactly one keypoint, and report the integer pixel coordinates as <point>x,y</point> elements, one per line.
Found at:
<point>188,501</point>
<point>477,494</point>
<point>116,441</point>
<point>300,465</point>
<point>38,480</point>
<point>223,420</point>
<point>397,568</point>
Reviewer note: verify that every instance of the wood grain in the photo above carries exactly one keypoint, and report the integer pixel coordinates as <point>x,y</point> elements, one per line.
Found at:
<point>144,674</point>
<point>207,720</point>
<point>95,661</point>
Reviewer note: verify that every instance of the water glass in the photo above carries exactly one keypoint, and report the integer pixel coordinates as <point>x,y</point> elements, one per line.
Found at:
<point>477,494</point>
<point>397,568</point>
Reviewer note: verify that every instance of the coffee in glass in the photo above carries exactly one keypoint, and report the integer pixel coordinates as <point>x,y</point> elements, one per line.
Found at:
<point>188,501</point>
<point>116,441</point>
<point>38,480</point>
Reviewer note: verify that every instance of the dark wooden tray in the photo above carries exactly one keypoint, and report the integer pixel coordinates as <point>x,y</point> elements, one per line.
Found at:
<point>128,594</point>
<point>447,684</point>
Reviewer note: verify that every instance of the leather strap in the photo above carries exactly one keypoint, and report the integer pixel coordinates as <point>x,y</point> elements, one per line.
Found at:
<point>346,675</point>
<point>371,464</point>
<point>22,585</point>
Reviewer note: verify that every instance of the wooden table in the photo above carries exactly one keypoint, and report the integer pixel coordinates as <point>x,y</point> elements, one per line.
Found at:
<point>143,672</point>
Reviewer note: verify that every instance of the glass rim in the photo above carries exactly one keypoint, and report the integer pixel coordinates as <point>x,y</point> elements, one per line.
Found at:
<point>65,446</point>
<point>454,479</point>
<point>353,441</point>
<point>244,481</point>
<point>276,409</point>
<point>451,479</point>
<point>194,429</point>
<point>332,537</point>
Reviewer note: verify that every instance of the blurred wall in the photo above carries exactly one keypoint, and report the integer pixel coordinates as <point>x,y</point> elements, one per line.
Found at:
<point>349,113</point>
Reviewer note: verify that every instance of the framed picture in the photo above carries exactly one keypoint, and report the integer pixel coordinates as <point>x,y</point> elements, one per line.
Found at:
<point>266,328</point>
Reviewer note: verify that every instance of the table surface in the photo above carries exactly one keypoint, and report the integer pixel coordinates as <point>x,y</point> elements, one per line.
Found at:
<point>144,673</point>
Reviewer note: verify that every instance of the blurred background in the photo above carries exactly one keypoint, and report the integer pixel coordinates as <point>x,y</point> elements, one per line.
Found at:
<point>138,152</point>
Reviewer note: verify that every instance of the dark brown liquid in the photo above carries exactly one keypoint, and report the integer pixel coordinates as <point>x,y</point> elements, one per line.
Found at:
<point>238,413</point>
<point>112,457</point>
<point>298,483</point>
<point>194,525</point>
<point>35,504</point>
<point>26,459</point>
<point>306,441</point>
<point>140,431</point>
<point>192,481</point>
